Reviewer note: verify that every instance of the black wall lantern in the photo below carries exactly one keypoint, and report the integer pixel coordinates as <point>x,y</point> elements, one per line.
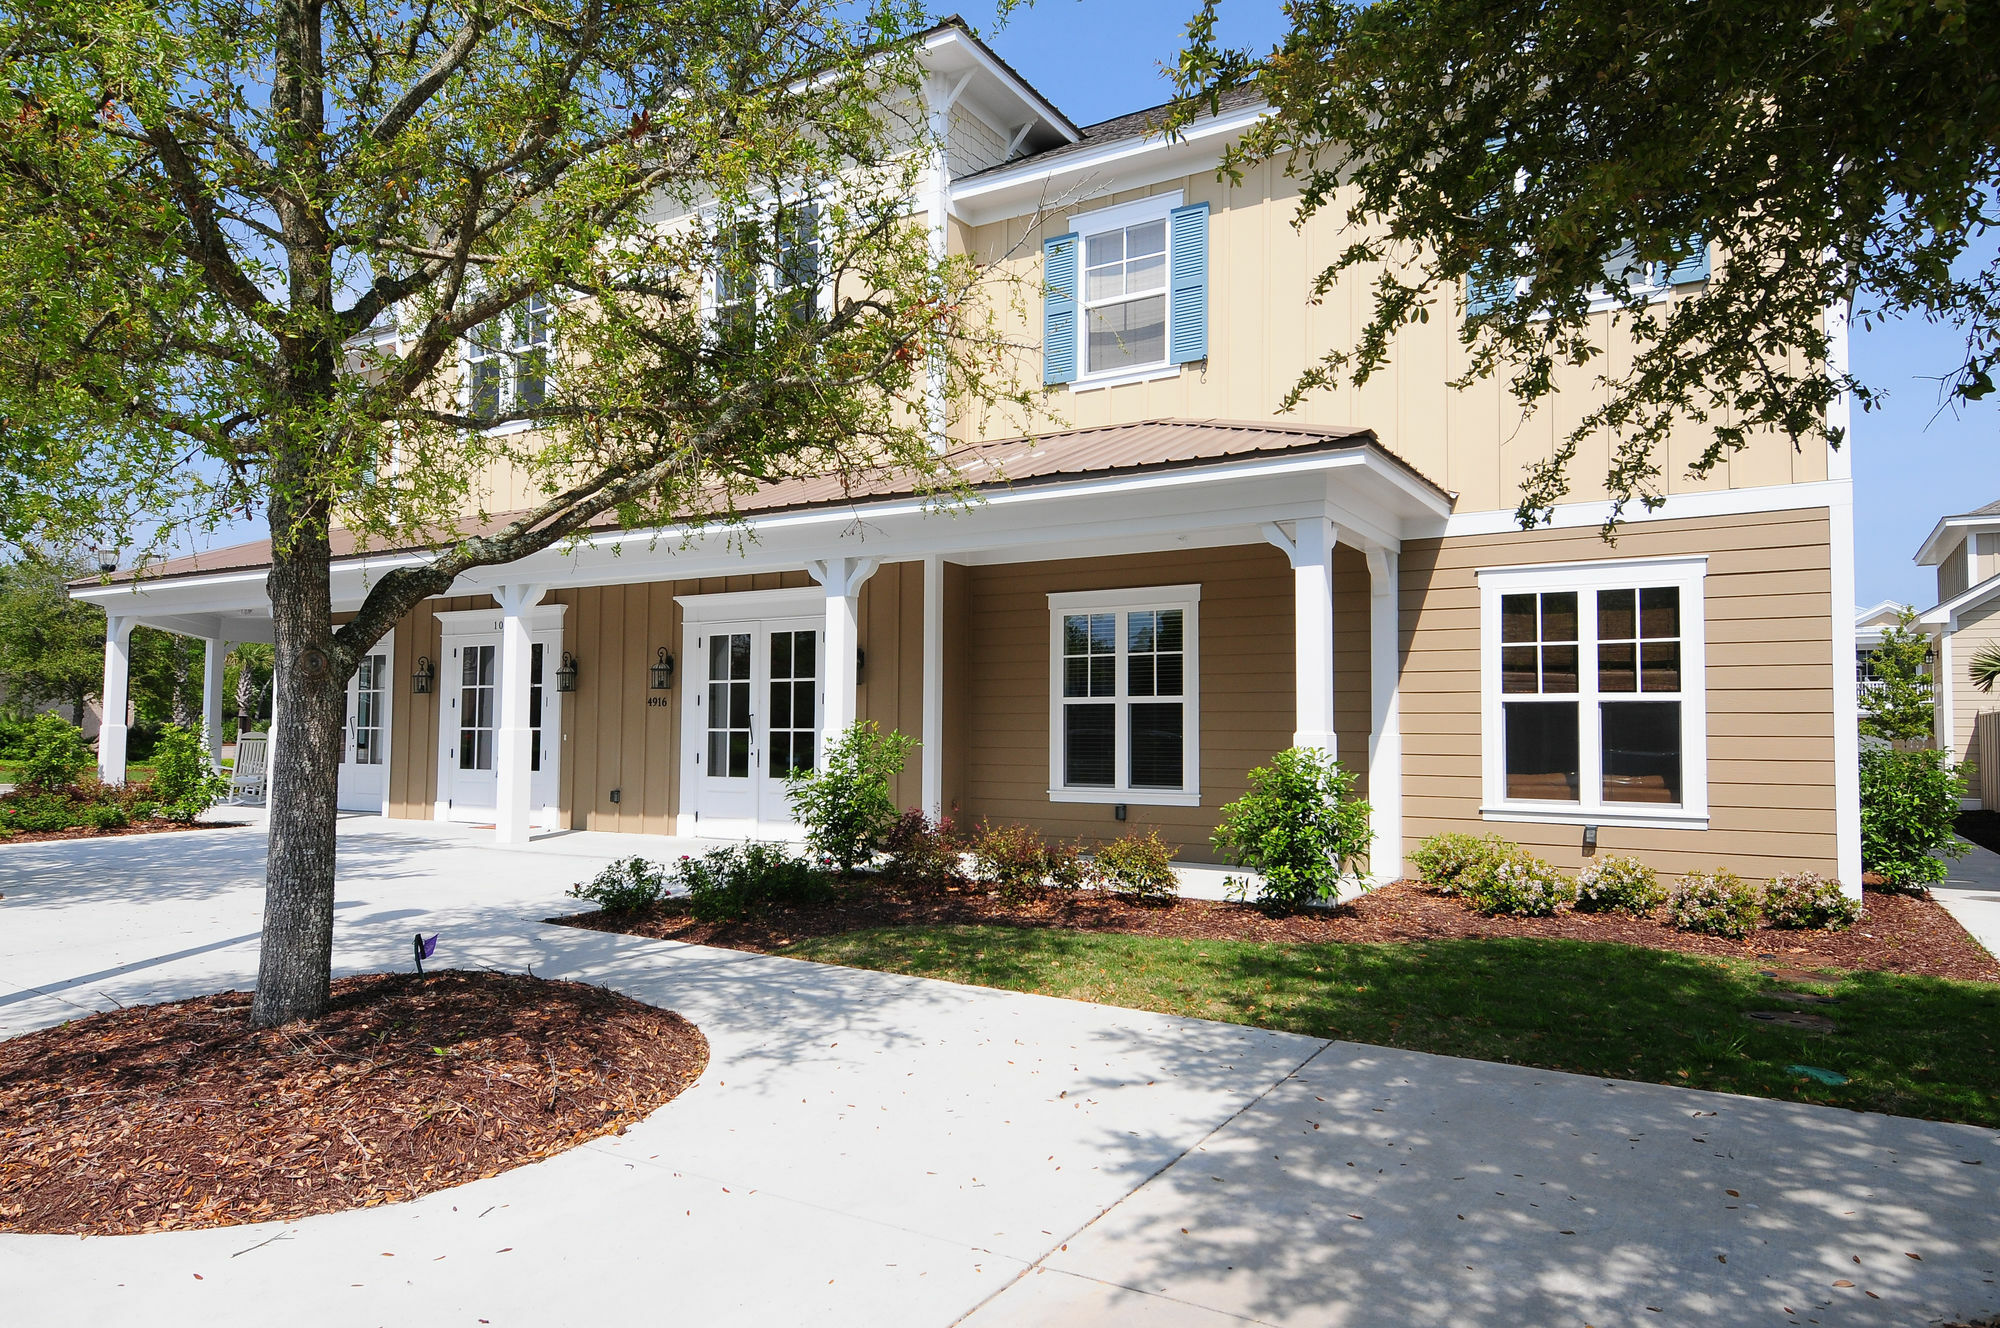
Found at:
<point>566,673</point>
<point>663,671</point>
<point>421,680</point>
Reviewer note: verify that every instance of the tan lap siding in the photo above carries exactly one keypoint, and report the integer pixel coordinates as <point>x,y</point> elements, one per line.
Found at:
<point>1768,603</point>
<point>1246,701</point>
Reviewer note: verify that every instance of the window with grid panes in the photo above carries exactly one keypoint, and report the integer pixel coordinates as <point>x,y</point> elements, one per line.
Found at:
<point>1124,697</point>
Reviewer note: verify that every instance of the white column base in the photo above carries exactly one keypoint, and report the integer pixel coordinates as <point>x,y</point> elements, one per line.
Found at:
<point>111,752</point>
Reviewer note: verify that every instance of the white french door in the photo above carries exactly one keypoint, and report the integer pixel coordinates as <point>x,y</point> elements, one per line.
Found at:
<point>753,719</point>
<point>364,759</point>
<point>469,721</point>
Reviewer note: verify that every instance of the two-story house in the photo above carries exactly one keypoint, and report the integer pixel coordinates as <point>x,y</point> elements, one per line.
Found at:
<point>1162,594</point>
<point>1965,622</point>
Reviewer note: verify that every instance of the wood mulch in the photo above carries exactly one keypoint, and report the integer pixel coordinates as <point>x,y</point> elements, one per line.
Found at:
<point>87,832</point>
<point>181,1115</point>
<point>1899,934</point>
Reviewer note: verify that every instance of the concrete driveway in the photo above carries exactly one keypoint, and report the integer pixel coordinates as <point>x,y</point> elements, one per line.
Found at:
<point>869,1149</point>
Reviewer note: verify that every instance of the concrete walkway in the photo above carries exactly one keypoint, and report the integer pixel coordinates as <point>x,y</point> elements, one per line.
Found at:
<point>1971,893</point>
<point>870,1149</point>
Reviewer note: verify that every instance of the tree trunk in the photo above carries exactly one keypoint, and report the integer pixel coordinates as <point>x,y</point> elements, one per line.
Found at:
<point>296,965</point>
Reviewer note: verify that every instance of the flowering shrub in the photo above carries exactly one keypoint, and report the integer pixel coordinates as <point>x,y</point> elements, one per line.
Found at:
<point>624,885</point>
<point>1624,885</point>
<point>1517,883</point>
<point>1443,861</point>
<point>1717,902</point>
<point>1011,857</point>
<point>1808,901</point>
<point>1139,867</point>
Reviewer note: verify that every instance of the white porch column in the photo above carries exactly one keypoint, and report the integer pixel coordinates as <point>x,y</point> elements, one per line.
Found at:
<point>514,738</point>
<point>117,698</point>
<point>842,579</point>
<point>214,652</point>
<point>933,737</point>
<point>1310,548</point>
<point>1385,728</point>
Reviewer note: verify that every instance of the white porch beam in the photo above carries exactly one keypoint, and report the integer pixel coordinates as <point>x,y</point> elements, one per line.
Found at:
<point>1385,727</point>
<point>1310,547</point>
<point>117,698</point>
<point>933,724</point>
<point>515,738</point>
<point>842,579</point>
<point>215,652</point>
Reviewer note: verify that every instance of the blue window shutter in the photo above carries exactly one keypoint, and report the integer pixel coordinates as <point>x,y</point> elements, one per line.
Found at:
<point>1059,308</point>
<point>1188,229</point>
<point>1485,292</point>
<point>1692,268</point>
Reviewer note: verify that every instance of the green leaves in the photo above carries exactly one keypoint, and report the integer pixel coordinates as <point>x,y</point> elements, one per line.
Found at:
<point>1830,156</point>
<point>1896,698</point>
<point>1300,826</point>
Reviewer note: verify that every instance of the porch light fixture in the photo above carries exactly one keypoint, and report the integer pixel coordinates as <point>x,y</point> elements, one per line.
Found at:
<point>421,680</point>
<point>107,560</point>
<point>663,671</point>
<point>566,673</point>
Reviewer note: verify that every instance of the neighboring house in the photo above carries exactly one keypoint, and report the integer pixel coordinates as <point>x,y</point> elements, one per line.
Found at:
<point>1162,595</point>
<point>1965,549</point>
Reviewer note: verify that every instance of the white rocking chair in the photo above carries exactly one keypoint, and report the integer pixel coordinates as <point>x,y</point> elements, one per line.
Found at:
<point>246,777</point>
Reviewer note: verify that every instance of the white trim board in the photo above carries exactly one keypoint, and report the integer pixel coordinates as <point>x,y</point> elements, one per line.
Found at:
<point>1678,507</point>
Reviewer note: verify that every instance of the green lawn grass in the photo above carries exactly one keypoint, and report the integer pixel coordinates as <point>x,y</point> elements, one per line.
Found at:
<point>1911,1046</point>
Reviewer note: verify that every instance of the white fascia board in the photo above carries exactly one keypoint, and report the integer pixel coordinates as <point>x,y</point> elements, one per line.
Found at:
<point>1945,615</point>
<point>1128,163</point>
<point>1938,543</point>
<point>1039,105</point>
<point>1678,507</point>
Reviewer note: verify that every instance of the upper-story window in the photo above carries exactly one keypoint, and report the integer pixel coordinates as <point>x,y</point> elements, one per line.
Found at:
<point>1126,293</point>
<point>507,361</point>
<point>1125,298</point>
<point>775,259</point>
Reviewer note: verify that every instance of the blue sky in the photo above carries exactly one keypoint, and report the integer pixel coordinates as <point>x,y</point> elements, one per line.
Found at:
<point>1100,58</point>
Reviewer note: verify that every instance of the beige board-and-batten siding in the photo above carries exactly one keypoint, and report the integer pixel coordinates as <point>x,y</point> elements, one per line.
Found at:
<point>1768,605</point>
<point>1000,713</point>
<point>617,732</point>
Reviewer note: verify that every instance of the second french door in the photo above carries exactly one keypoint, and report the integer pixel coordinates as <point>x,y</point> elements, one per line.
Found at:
<point>471,727</point>
<point>755,720</point>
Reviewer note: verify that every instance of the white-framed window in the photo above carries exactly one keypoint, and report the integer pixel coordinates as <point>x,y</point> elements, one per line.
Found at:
<point>1124,696</point>
<point>1124,313</point>
<point>1594,703</point>
<point>774,257</point>
<point>507,361</point>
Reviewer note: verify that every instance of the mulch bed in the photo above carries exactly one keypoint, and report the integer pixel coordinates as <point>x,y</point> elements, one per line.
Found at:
<point>87,832</point>
<point>182,1115</point>
<point>1981,827</point>
<point>1898,935</point>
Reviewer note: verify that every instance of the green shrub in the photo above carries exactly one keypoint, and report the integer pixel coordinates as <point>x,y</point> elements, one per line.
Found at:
<point>1442,861</point>
<point>13,737</point>
<point>1808,901</point>
<point>52,753</point>
<point>725,884</point>
<point>1518,884</point>
<point>624,885</point>
<point>1139,867</point>
<point>1909,801</point>
<point>85,804</point>
<point>923,852</point>
<point>1719,903</point>
<point>845,805</point>
<point>1300,827</point>
<point>185,779</point>
<point>1623,885</point>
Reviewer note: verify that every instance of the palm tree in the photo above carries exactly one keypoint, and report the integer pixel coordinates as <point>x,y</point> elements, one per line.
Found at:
<point>1986,667</point>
